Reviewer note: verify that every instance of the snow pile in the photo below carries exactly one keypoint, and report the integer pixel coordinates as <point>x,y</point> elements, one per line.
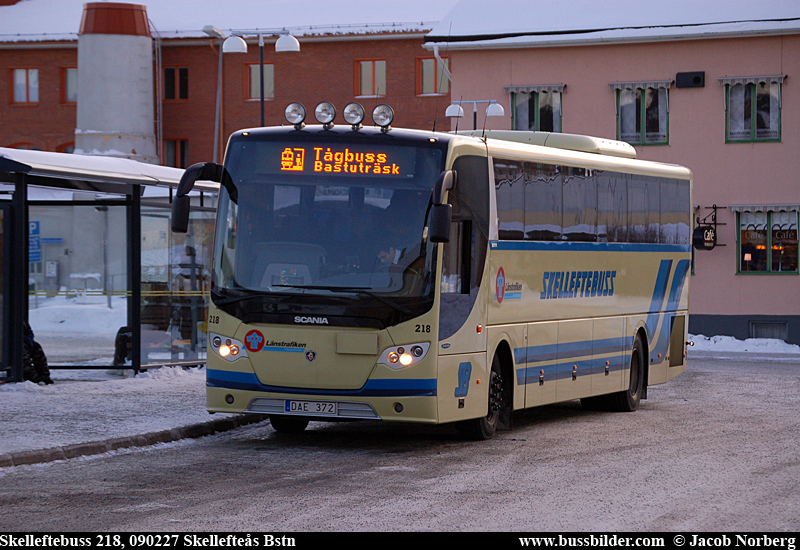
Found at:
<point>731,344</point>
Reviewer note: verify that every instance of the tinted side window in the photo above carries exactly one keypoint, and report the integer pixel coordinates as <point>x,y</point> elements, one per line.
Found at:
<point>579,220</point>
<point>510,186</point>
<point>643,205</point>
<point>542,202</point>
<point>612,207</point>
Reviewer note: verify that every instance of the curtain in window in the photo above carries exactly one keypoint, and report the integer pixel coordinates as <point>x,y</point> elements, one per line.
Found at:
<point>784,241</point>
<point>629,115</point>
<point>550,111</point>
<point>739,112</point>
<point>767,111</point>
<point>753,244</point>
<point>656,115</point>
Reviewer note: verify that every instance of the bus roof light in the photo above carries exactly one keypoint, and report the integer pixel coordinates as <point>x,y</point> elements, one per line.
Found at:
<point>325,112</point>
<point>383,115</point>
<point>296,114</point>
<point>354,115</point>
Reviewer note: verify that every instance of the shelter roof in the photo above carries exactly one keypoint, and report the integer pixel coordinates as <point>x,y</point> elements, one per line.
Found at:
<point>90,173</point>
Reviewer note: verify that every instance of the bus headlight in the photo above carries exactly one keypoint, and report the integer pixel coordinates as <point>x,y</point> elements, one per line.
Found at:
<point>229,349</point>
<point>404,356</point>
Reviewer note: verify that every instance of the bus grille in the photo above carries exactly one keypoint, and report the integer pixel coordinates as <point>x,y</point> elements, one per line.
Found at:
<point>346,409</point>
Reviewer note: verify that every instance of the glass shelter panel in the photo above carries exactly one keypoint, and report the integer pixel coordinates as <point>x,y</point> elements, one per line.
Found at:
<point>175,283</point>
<point>77,274</point>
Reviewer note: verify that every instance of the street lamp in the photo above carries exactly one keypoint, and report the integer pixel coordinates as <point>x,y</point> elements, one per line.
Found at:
<point>286,43</point>
<point>456,111</point>
<point>214,32</point>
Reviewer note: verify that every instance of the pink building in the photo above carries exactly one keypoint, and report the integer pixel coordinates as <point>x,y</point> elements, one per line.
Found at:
<point>705,85</point>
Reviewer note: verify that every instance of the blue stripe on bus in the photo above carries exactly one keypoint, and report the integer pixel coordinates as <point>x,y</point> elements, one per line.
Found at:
<point>373,388</point>
<point>561,371</point>
<point>550,352</point>
<point>659,312</point>
<point>573,246</point>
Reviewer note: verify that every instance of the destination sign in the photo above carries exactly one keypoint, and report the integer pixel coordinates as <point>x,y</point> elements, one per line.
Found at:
<point>331,159</point>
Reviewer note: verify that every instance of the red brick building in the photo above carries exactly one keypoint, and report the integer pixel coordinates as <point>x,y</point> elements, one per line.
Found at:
<point>372,63</point>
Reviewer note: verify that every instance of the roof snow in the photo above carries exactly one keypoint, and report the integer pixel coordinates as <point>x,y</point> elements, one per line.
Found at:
<point>518,23</point>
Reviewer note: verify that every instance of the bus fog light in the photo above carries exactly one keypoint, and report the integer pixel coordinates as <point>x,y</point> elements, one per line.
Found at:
<point>398,408</point>
<point>229,399</point>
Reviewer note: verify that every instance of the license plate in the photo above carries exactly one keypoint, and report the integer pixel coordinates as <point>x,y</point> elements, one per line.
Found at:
<point>321,408</point>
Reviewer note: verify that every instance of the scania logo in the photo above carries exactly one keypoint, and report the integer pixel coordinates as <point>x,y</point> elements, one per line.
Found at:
<point>311,320</point>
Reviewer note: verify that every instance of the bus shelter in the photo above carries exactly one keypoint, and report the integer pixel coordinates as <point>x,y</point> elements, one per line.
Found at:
<point>87,258</point>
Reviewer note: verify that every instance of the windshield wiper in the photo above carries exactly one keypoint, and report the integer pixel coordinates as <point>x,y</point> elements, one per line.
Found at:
<point>357,290</point>
<point>221,300</point>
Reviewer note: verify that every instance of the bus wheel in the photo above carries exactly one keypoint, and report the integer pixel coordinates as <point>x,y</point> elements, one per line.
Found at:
<point>288,424</point>
<point>485,427</point>
<point>628,400</point>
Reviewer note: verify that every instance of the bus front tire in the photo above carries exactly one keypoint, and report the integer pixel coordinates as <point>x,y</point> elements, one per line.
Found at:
<point>288,424</point>
<point>485,427</point>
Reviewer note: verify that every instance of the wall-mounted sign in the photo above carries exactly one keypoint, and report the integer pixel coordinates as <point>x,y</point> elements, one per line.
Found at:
<point>704,237</point>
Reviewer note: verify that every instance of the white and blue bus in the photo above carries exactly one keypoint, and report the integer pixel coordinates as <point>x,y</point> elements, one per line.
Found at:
<point>413,276</point>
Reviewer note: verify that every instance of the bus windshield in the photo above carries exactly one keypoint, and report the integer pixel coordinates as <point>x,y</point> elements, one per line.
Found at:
<point>327,219</point>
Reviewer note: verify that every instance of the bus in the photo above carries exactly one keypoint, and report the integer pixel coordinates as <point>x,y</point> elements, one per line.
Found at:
<point>419,276</point>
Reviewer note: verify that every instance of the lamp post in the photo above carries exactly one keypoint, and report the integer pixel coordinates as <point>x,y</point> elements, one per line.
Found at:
<point>236,44</point>
<point>214,32</point>
<point>285,43</point>
<point>456,111</point>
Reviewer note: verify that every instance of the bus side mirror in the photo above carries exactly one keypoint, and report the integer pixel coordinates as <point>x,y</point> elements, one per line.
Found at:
<point>208,171</point>
<point>446,182</point>
<point>439,223</point>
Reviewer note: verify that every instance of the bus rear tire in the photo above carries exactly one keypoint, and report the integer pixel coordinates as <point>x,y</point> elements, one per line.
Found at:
<point>628,400</point>
<point>484,428</point>
<point>288,424</point>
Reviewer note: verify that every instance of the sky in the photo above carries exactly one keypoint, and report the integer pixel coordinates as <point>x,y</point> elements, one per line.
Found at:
<point>172,18</point>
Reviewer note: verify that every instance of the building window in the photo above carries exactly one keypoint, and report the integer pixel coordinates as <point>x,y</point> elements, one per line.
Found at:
<point>371,78</point>
<point>642,112</point>
<point>66,148</point>
<point>254,79</point>
<point>69,85</point>
<point>767,242</point>
<point>752,108</point>
<point>175,152</point>
<point>26,85</point>
<point>536,108</point>
<point>176,83</point>
<point>431,78</point>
